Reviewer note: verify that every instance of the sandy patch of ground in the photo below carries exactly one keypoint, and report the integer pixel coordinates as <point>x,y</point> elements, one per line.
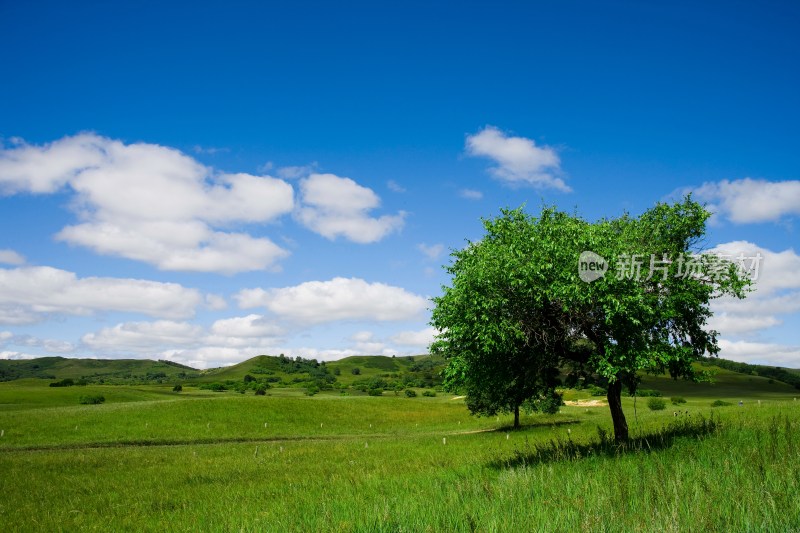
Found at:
<point>586,403</point>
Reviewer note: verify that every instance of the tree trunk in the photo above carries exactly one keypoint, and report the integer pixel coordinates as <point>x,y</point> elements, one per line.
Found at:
<point>614,397</point>
<point>516,416</point>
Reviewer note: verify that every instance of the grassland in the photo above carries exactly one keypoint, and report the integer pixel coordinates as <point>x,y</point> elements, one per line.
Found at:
<point>151,459</point>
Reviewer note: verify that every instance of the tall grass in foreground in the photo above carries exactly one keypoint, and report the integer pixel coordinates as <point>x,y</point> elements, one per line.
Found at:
<point>737,471</point>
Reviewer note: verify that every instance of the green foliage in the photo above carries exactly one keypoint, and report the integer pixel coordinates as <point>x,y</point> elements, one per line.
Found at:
<point>549,403</point>
<point>648,393</point>
<point>656,404</point>
<point>216,387</point>
<point>429,393</point>
<point>518,311</point>
<point>91,399</point>
<point>261,390</point>
<point>720,403</point>
<point>311,390</point>
<point>594,390</point>
<point>355,371</point>
<point>411,393</point>
<point>677,400</point>
<point>177,388</point>
<point>375,392</point>
<point>67,382</point>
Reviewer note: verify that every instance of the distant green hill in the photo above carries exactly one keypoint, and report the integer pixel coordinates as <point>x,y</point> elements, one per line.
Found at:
<point>95,370</point>
<point>365,373</point>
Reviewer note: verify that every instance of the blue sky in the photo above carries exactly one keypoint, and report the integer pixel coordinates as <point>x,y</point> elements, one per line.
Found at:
<point>208,183</point>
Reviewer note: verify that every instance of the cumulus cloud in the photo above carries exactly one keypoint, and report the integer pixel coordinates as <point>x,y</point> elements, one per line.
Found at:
<point>432,252</point>
<point>27,293</point>
<point>776,296</point>
<point>316,302</point>
<point>760,353</point>
<point>749,200</point>
<point>226,341</point>
<point>50,345</point>
<point>367,344</point>
<point>246,326</point>
<point>420,339</point>
<point>10,257</point>
<point>295,172</point>
<point>14,356</point>
<point>152,203</point>
<point>518,160</point>
<point>333,207</point>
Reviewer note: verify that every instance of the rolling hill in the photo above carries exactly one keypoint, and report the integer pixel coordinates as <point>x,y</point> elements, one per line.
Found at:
<point>366,372</point>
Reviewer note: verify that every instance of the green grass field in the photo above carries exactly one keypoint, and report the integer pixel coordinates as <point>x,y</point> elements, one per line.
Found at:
<point>149,459</point>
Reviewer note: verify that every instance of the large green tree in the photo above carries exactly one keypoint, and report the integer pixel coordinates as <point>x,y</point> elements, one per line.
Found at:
<point>519,311</point>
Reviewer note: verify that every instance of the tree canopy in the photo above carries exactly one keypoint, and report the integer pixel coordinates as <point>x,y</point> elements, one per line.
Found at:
<point>540,295</point>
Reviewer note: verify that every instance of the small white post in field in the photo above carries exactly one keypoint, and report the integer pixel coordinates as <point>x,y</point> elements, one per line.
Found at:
<point>444,440</point>
<point>508,436</point>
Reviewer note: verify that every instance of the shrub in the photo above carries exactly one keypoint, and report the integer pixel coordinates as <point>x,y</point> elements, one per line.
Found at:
<point>261,390</point>
<point>429,393</point>
<point>356,371</point>
<point>67,382</point>
<point>411,393</point>
<point>648,393</point>
<point>594,390</point>
<point>248,378</point>
<point>656,404</point>
<point>91,399</point>
<point>677,400</point>
<point>177,388</point>
<point>375,392</point>
<point>311,390</point>
<point>216,387</point>
<point>720,403</point>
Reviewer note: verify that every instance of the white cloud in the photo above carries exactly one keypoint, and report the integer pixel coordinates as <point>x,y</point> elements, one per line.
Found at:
<point>246,326</point>
<point>215,302</point>
<point>152,203</point>
<point>394,186</point>
<point>333,206</point>
<point>50,345</point>
<point>14,356</point>
<point>316,302</point>
<point>359,336</point>
<point>742,325</point>
<point>760,353</point>
<point>774,299</point>
<point>432,252</point>
<point>777,270</point>
<point>29,292</point>
<point>519,161</point>
<point>470,194</point>
<point>295,172</point>
<point>10,257</point>
<point>227,341</point>
<point>210,150</point>
<point>143,336</point>
<point>421,339</point>
<point>748,200</point>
